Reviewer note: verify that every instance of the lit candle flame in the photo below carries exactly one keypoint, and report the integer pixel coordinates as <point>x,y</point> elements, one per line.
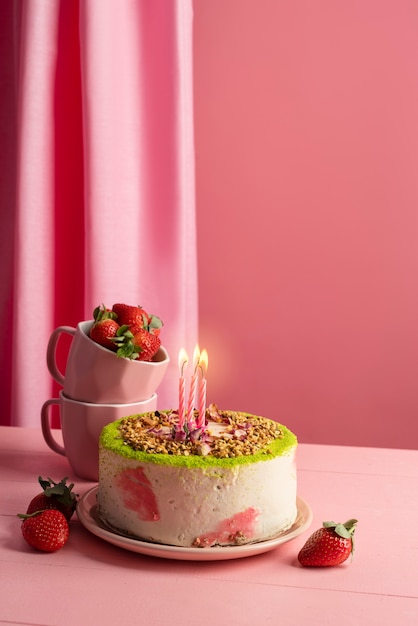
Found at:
<point>203,362</point>
<point>183,360</point>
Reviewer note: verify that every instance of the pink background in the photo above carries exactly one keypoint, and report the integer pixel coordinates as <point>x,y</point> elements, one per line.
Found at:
<point>306,140</point>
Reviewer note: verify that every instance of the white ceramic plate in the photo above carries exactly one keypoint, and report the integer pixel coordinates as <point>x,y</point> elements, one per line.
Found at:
<point>86,511</point>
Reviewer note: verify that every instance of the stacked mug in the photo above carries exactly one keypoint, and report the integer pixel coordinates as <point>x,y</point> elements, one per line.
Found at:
<point>98,388</point>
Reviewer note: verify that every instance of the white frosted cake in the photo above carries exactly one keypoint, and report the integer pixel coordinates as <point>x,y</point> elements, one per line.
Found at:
<point>231,482</point>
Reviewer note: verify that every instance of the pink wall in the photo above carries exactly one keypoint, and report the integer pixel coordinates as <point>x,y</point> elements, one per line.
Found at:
<point>307,196</point>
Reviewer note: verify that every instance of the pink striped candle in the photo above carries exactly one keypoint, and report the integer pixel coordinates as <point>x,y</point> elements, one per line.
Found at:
<point>192,390</point>
<point>203,366</point>
<point>183,360</point>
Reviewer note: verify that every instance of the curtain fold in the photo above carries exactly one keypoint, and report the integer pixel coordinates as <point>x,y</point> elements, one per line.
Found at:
<point>104,207</point>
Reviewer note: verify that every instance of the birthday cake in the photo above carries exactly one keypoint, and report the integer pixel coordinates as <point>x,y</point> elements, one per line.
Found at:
<point>228,482</point>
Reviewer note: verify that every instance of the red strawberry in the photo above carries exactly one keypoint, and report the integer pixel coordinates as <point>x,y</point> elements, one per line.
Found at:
<point>112,334</point>
<point>137,316</point>
<point>105,327</point>
<point>330,545</point>
<point>147,342</point>
<point>130,315</point>
<point>136,343</point>
<point>54,496</point>
<point>102,332</point>
<point>45,530</point>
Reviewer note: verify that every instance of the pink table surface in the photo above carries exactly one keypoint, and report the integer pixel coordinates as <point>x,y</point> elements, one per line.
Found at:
<point>92,582</point>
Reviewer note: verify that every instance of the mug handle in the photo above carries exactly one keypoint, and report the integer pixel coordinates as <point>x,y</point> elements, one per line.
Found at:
<point>51,352</point>
<point>46,427</point>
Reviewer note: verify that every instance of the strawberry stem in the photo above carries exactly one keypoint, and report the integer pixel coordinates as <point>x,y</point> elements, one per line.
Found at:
<point>345,530</point>
<point>62,492</point>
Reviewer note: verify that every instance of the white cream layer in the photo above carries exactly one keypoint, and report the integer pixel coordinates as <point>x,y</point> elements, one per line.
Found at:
<point>194,506</point>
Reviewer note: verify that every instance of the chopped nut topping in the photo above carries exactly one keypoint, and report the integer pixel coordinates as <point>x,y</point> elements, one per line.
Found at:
<point>228,434</point>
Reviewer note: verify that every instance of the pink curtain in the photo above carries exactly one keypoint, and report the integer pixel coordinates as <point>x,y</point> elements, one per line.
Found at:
<point>97,173</point>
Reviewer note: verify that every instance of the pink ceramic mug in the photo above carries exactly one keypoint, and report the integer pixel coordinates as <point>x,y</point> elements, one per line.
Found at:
<point>81,425</point>
<point>95,374</point>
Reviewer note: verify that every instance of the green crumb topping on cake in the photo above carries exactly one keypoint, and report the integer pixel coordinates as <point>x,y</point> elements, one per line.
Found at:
<point>238,439</point>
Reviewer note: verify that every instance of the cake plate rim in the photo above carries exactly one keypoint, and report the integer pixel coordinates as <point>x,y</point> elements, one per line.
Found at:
<point>86,514</point>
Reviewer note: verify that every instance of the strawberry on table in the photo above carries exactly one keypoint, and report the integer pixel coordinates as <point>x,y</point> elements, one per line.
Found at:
<point>57,496</point>
<point>45,530</point>
<point>330,545</point>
